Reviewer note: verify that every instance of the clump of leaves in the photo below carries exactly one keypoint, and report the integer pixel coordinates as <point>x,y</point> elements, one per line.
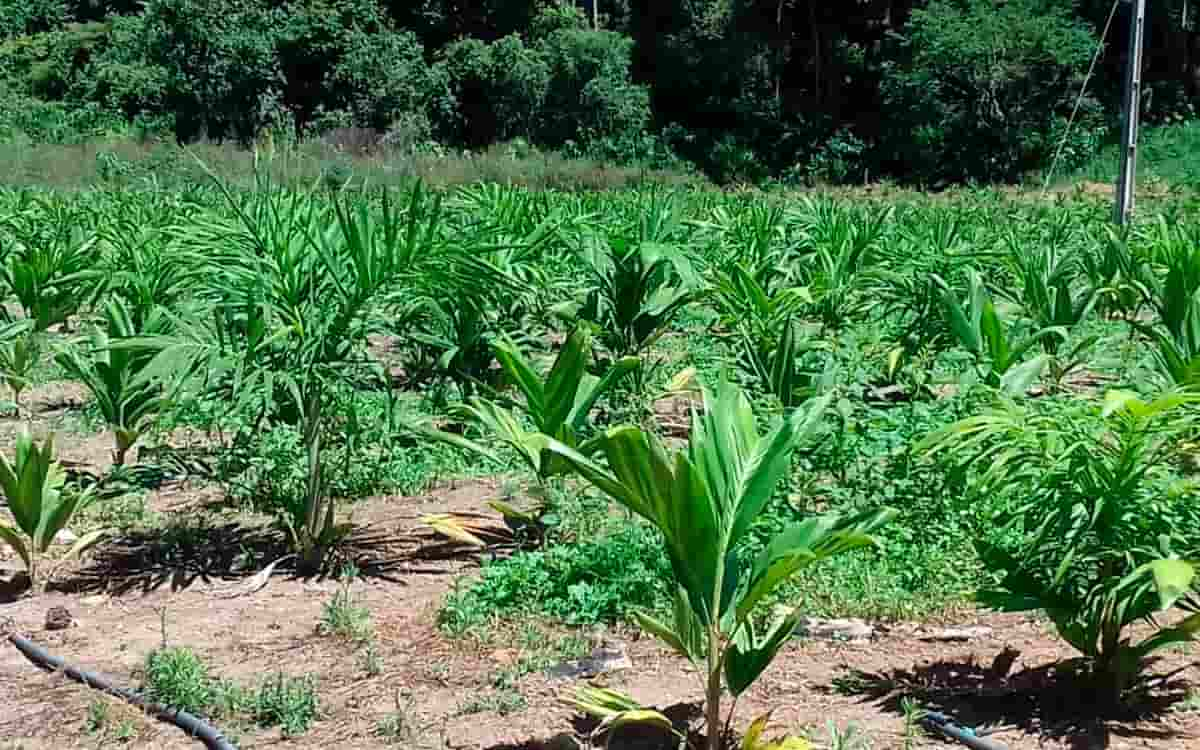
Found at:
<point>580,583</point>
<point>41,504</point>
<point>703,500</point>
<point>177,677</point>
<point>1091,516</point>
<point>290,703</point>
<point>119,373</point>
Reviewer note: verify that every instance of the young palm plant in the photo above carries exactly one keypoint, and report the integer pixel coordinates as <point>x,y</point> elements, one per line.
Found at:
<point>292,281</point>
<point>1089,512</point>
<point>841,246</point>
<point>52,269</point>
<point>703,500</point>
<point>1054,292</point>
<point>40,504</point>
<point>637,289</point>
<point>1175,296</point>
<point>116,369</point>
<point>763,317</point>
<point>978,329</point>
<point>557,404</point>
<point>20,354</point>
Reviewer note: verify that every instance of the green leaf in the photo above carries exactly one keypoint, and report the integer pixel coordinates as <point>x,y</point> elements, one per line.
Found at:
<point>770,462</point>
<point>1172,579</point>
<point>523,374</point>
<point>1017,380</point>
<point>643,717</point>
<point>13,539</point>
<point>662,631</point>
<point>796,547</point>
<point>749,655</point>
<point>563,382</point>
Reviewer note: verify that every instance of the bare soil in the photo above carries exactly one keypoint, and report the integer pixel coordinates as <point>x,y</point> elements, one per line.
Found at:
<point>125,598</point>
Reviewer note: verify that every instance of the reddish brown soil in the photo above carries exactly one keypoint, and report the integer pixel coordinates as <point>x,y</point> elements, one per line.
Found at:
<point>120,617</point>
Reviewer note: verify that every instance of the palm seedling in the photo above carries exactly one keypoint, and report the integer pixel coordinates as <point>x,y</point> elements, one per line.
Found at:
<point>492,292</point>
<point>637,289</point>
<point>840,247</point>
<point>1054,293</point>
<point>703,500</point>
<point>556,404</point>
<point>114,362</point>
<point>20,354</point>
<point>41,506</point>
<point>763,317</point>
<point>998,355</point>
<point>145,271</point>
<point>1118,272</point>
<point>1087,530</point>
<point>1175,297</point>
<point>52,269</point>
<point>293,280</point>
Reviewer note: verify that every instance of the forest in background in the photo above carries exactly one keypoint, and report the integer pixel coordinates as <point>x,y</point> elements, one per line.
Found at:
<point>746,90</point>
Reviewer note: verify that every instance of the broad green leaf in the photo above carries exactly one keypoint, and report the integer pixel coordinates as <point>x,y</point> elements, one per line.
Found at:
<point>749,655</point>
<point>643,717</point>
<point>1019,379</point>
<point>770,462</point>
<point>1172,579</point>
<point>662,631</point>
<point>563,382</point>
<point>523,374</point>
<point>14,539</point>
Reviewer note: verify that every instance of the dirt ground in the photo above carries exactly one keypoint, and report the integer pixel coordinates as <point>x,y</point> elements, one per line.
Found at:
<point>124,599</point>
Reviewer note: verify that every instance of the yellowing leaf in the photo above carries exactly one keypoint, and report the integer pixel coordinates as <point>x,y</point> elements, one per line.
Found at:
<point>755,731</point>
<point>453,528</point>
<point>642,717</point>
<point>1172,579</point>
<point>790,743</point>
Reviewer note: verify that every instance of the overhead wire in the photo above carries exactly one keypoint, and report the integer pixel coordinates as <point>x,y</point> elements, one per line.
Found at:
<point>1079,99</point>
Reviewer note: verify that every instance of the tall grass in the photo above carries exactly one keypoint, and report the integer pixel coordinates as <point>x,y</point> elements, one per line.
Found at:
<point>1167,153</point>
<point>128,162</point>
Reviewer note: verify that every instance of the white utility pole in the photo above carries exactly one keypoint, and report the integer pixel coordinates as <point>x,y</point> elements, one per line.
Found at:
<point>1132,99</point>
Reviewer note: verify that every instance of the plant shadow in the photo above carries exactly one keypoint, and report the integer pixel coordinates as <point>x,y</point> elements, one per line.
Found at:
<point>1051,701</point>
<point>184,553</point>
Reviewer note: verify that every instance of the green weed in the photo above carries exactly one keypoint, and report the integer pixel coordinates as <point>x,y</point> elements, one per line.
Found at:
<point>502,701</point>
<point>176,677</point>
<point>344,617</point>
<point>287,702</point>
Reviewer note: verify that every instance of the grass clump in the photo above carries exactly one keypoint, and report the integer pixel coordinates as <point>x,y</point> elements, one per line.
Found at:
<point>287,702</point>
<point>104,721</point>
<point>343,617</point>
<point>178,678</point>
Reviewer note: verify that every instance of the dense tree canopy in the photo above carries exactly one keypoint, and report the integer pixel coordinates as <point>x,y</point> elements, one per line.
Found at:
<point>932,90</point>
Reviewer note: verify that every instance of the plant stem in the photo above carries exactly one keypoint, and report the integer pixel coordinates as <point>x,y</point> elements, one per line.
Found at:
<point>712,702</point>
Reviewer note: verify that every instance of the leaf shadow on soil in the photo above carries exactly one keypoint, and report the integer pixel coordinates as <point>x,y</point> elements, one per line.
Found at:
<point>182,554</point>
<point>1046,701</point>
<point>682,715</point>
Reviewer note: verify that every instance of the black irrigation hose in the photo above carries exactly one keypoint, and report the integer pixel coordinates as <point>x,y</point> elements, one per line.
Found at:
<point>209,735</point>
